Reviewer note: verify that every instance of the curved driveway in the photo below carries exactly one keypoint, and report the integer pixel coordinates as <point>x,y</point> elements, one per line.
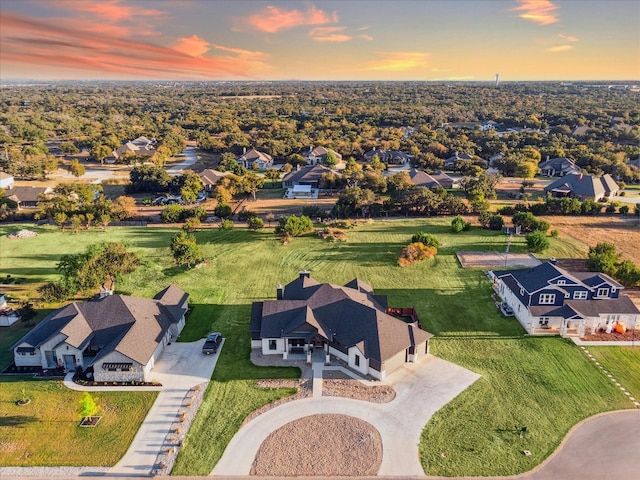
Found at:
<point>421,389</point>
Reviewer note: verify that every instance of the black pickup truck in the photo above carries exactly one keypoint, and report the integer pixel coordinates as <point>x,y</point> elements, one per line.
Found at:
<point>212,343</point>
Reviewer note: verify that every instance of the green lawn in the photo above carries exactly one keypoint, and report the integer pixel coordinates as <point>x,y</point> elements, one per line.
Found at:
<point>46,432</point>
<point>545,384</point>
<point>623,363</point>
<point>244,266</point>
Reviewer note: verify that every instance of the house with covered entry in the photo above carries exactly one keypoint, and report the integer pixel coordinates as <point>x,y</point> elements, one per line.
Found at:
<point>254,159</point>
<point>318,155</point>
<point>558,167</point>
<point>119,336</point>
<point>348,322</point>
<point>548,299</point>
<point>583,187</point>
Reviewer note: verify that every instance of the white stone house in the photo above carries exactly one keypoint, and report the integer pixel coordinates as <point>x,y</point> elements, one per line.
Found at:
<point>120,336</point>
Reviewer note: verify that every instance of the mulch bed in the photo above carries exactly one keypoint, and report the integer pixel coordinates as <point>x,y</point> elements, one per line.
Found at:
<point>321,445</point>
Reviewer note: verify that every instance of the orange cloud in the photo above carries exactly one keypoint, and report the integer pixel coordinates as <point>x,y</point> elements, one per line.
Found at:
<point>272,19</point>
<point>560,48</point>
<point>329,34</point>
<point>193,46</point>
<point>399,61</point>
<point>538,11</point>
<point>28,42</point>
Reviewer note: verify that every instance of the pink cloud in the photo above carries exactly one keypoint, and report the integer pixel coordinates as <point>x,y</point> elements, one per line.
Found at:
<point>365,36</point>
<point>112,10</point>
<point>49,44</point>
<point>538,11</point>
<point>272,19</point>
<point>193,46</point>
<point>329,34</point>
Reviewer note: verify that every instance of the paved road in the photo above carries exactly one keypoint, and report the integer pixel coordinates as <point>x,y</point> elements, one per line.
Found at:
<point>421,390</point>
<point>190,159</point>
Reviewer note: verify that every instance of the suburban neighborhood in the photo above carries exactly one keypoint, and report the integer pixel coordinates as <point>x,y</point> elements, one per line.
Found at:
<point>281,288</point>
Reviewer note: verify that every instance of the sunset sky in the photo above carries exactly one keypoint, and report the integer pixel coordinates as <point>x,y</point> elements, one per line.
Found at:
<point>320,40</point>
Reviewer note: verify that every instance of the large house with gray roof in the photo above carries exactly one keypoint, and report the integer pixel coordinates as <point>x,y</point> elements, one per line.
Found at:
<point>120,336</point>
<point>558,167</point>
<point>548,299</point>
<point>583,187</point>
<point>349,322</point>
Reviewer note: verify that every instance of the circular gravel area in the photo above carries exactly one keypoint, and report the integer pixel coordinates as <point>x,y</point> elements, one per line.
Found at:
<point>321,445</point>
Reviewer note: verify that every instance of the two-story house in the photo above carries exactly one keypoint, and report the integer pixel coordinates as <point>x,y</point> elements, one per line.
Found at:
<point>548,299</point>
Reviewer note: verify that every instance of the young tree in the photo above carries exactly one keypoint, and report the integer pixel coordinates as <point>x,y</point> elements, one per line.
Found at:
<point>76,168</point>
<point>185,249</point>
<point>458,224</point>
<point>222,210</point>
<point>273,175</point>
<point>537,241</point>
<point>88,405</point>
<point>330,159</point>
<point>100,152</point>
<point>603,258</point>
<point>251,183</point>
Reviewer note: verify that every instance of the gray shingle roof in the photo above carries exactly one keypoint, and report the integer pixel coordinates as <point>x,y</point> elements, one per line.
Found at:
<point>133,326</point>
<point>584,185</point>
<point>351,315</point>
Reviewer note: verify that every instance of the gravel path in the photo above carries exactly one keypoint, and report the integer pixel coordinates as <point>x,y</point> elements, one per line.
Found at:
<point>321,445</point>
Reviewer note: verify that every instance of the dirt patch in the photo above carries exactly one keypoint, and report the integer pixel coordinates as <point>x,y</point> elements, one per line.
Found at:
<point>321,445</point>
<point>624,232</point>
<point>334,384</point>
<point>496,260</point>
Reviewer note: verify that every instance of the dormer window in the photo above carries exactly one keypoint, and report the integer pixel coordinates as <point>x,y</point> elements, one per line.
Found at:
<point>580,295</point>
<point>603,292</point>
<point>547,298</point>
<point>562,282</point>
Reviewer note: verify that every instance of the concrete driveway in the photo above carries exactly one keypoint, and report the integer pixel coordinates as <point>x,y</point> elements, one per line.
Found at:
<point>421,390</point>
<point>181,367</point>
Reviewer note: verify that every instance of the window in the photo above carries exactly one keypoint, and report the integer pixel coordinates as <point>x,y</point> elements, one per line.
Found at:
<point>580,295</point>
<point>273,345</point>
<point>547,298</point>
<point>357,360</point>
<point>562,282</point>
<point>603,292</point>
<point>544,321</point>
<point>117,367</point>
<point>522,291</point>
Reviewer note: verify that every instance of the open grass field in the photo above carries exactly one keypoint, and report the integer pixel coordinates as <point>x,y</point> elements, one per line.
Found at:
<point>46,432</point>
<point>623,363</point>
<point>545,384</point>
<point>452,302</point>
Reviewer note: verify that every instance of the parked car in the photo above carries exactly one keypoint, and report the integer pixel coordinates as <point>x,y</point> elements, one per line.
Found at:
<point>212,343</point>
<point>506,309</point>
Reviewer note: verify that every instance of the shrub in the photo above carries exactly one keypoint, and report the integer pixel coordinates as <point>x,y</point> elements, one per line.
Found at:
<point>191,224</point>
<point>458,224</point>
<point>226,224</point>
<point>246,214</point>
<point>426,239</point>
<point>415,252</point>
<point>255,223</point>
<point>53,292</point>
<point>496,222</point>
<point>332,234</point>
<point>555,233</point>
<point>313,211</point>
<point>624,210</point>
<point>171,214</point>
<point>293,226</point>
<point>222,210</point>
<point>537,241</point>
